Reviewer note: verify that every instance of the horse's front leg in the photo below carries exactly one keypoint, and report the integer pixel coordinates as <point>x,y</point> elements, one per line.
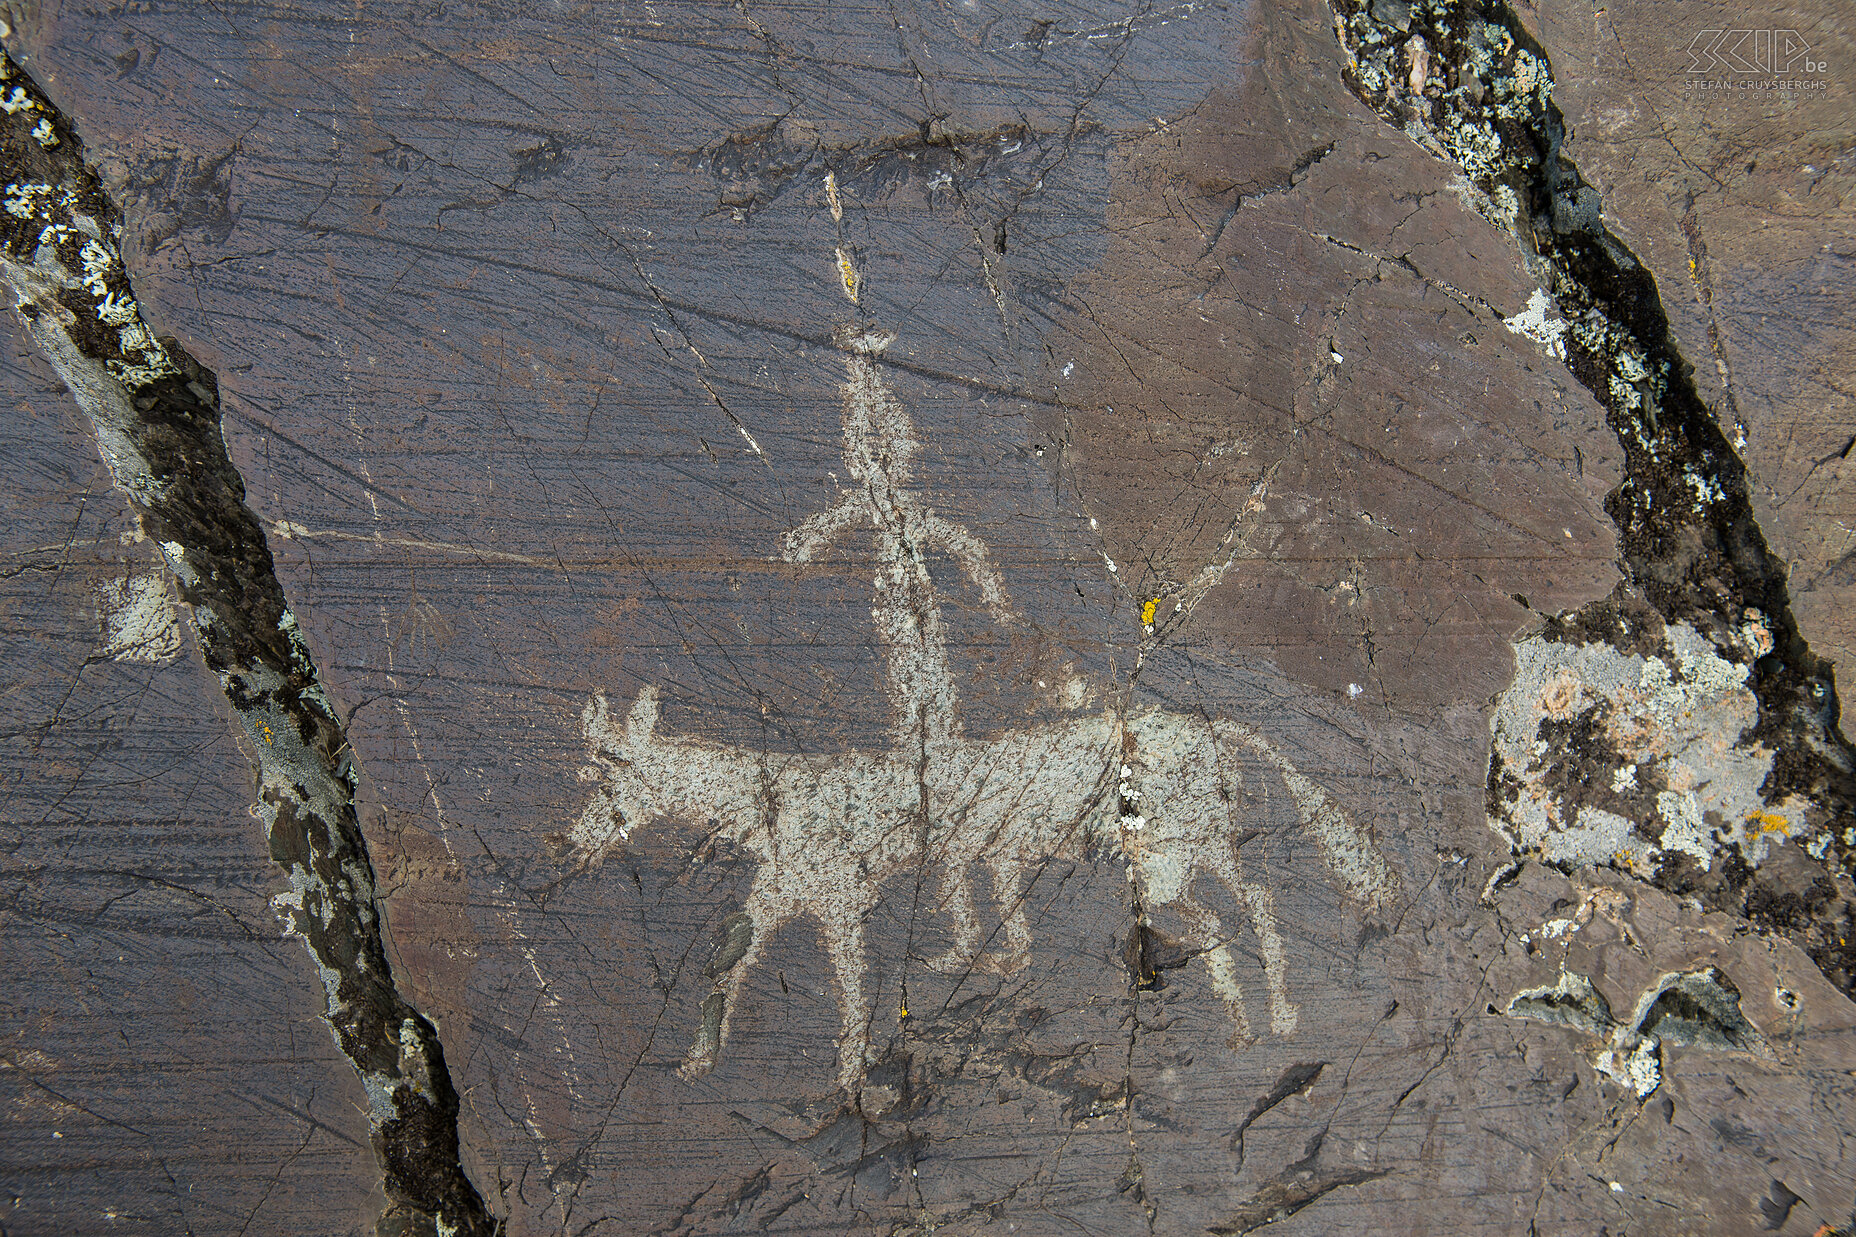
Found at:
<point>844,940</point>
<point>1216,951</point>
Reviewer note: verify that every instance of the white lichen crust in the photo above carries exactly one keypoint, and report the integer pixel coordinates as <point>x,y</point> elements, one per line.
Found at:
<point>1604,757</point>
<point>61,252</point>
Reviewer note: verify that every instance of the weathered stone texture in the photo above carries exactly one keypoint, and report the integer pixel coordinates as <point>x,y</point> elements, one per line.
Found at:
<point>165,1067</point>
<point>529,331</point>
<point>1740,200</point>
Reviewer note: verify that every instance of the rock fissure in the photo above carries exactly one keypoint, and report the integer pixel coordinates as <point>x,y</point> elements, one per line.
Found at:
<point>1703,613</point>
<point>156,418</point>
<point>755,168</point>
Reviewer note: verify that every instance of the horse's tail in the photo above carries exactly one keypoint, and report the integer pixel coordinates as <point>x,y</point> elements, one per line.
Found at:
<point>1348,850</point>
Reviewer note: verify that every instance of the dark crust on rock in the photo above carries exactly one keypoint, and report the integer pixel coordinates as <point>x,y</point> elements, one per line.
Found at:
<point>1577,764</point>
<point>245,634</point>
<point>1625,621</point>
<point>754,168</point>
<point>1692,550</point>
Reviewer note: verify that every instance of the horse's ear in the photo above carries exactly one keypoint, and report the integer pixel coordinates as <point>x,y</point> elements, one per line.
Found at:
<point>643,718</point>
<point>595,719</point>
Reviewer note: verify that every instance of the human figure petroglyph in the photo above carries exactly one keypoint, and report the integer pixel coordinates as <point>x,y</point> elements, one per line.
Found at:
<point>1174,795</point>
<point>879,444</point>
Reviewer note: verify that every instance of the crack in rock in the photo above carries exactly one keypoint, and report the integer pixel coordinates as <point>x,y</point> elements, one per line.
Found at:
<point>1300,1185</point>
<point>155,413</point>
<point>754,168</point>
<point>1703,608</point>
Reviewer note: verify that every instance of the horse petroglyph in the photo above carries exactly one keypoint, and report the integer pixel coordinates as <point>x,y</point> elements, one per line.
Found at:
<point>1175,795</point>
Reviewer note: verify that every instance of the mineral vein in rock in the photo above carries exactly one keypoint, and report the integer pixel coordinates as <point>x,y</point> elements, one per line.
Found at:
<point>1167,791</point>
<point>155,415</point>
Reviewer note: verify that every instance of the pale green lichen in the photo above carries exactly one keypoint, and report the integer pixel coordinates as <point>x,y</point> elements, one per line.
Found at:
<point>26,201</point>
<point>141,623</point>
<point>1663,732</point>
<point>96,267</point>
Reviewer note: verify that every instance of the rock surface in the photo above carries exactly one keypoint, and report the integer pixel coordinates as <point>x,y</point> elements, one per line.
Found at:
<point>165,1067</point>
<point>1738,195</point>
<point>916,600</point>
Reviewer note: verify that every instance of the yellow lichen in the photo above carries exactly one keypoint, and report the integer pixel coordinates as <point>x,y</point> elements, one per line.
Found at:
<point>853,282</point>
<point>1771,822</point>
<point>1147,612</point>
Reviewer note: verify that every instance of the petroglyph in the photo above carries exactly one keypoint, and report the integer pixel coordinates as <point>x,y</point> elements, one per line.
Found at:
<point>879,443</point>
<point>1175,796</point>
<point>140,620</point>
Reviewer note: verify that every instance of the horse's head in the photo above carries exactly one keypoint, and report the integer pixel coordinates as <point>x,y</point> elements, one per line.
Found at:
<point>622,764</point>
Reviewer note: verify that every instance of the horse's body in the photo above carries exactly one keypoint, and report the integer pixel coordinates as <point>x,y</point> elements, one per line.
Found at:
<point>1176,795</point>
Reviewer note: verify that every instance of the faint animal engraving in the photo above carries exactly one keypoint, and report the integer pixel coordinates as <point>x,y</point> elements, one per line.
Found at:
<point>1175,795</point>
<point>139,618</point>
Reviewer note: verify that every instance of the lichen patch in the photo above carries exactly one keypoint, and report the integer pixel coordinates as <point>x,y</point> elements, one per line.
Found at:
<point>1682,1009</point>
<point>1541,322</point>
<point>1612,757</point>
<point>140,621</point>
<point>1468,81</point>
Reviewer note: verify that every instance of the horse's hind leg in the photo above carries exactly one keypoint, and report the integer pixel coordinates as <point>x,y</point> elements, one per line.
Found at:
<point>844,938</point>
<point>1222,967</point>
<point>1262,906</point>
<point>957,902</point>
<point>1009,888</point>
